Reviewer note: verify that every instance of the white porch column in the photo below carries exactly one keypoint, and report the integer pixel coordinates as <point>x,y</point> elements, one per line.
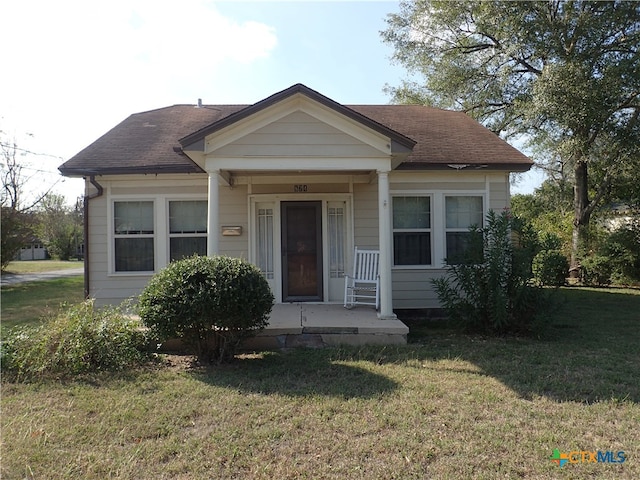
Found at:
<point>213,215</point>
<point>384,232</point>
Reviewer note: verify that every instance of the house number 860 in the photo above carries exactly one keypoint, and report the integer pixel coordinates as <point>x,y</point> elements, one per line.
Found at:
<point>300,188</point>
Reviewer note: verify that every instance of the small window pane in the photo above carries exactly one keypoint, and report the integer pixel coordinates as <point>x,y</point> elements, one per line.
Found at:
<point>411,212</point>
<point>265,242</point>
<point>463,212</point>
<point>412,248</point>
<point>182,247</point>
<point>188,216</point>
<point>336,242</point>
<point>134,254</point>
<point>133,218</point>
<point>463,247</point>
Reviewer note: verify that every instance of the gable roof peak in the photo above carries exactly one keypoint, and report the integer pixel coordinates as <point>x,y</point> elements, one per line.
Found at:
<point>302,89</point>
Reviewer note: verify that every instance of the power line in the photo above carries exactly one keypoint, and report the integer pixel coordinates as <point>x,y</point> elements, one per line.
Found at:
<point>37,170</point>
<point>8,145</point>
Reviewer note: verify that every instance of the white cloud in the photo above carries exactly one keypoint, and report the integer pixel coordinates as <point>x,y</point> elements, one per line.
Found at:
<point>75,68</point>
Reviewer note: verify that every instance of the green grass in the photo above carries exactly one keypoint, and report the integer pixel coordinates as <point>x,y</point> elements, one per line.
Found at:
<point>40,266</point>
<point>447,406</point>
<point>26,303</point>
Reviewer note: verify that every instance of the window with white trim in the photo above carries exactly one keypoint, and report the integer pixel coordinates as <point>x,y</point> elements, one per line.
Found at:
<point>265,241</point>
<point>461,213</point>
<point>337,238</point>
<point>412,230</point>
<point>187,228</point>
<point>133,229</point>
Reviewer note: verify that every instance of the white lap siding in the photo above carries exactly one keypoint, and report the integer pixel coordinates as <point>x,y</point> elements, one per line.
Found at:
<point>366,216</point>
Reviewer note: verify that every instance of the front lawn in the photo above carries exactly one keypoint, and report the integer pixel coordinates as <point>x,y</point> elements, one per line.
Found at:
<point>40,266</point>
<point>27,303</point>
<point>450,406</point>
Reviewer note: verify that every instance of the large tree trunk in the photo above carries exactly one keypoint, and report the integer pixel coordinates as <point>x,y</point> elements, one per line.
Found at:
<point>582,214</point>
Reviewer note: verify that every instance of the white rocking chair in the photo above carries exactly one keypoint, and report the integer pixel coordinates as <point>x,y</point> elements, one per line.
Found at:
<point>363,287</point>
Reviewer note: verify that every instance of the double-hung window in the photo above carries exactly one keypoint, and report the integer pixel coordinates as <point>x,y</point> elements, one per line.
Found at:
<point>187,228</point>
<point>133,228</point>
<point>412,230</point>
<point>461,213</point>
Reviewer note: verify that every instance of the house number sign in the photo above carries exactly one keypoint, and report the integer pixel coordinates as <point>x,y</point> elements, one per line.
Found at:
<point>300,188</point>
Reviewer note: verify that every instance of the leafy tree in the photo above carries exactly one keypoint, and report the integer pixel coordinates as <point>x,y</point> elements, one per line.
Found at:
<point>16,231</point>
<point>549,211</point>
<point>16,228</point>
<point>59,226</point>
<point>565,74</point>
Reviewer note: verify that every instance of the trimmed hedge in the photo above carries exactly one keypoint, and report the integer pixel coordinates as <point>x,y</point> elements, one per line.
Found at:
<point>210,303</point>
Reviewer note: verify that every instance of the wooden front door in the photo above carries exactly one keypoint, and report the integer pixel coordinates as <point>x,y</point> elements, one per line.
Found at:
<point>301,251</point>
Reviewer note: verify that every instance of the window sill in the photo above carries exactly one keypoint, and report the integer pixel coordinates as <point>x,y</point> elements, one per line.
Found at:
<point>130,274</point>
<point>419,267</point>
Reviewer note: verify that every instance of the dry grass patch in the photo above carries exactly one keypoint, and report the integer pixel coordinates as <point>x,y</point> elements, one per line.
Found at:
<point>451,406</point>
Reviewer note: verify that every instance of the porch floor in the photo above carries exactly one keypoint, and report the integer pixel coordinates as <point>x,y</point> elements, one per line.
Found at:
<point>318,325</point>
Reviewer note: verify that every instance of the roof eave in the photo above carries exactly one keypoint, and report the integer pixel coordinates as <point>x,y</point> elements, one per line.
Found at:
<point>453,167</point>
<point>147,170</point>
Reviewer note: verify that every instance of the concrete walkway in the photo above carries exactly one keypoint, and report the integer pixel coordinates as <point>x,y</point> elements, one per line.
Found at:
<point>13,278</point>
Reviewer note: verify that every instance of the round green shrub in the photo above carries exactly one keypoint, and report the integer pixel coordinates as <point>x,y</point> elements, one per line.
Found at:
<point>596,270</point>
<point>622,247</point>
<point>210,303</point>
<point>551,268</point>
<point>78,339</point>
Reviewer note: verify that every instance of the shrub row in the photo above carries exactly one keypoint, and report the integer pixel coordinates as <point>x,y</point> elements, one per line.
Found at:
<point>78,339</point>
<point>615,260</point>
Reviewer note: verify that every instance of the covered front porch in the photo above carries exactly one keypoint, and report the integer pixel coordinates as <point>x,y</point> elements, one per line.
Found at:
<point>315,325</point>
<point>315,175</point>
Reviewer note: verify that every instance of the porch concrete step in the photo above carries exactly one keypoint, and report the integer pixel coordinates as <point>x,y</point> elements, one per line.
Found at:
<point>331,330</point>
<point>315,325</point>
<point>306,340</point>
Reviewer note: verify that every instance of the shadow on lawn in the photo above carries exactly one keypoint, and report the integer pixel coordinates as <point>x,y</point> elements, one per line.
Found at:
<point>590,351</point>
<point>297,373</point>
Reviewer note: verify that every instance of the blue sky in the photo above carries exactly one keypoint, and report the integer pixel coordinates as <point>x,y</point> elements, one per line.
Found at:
<point>78,68</point>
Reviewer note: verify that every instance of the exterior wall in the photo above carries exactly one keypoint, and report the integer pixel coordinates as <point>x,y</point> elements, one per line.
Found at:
<point>366,216</point>
<point>233,212</point>
<point>412,285</point>
<point>101,287</point>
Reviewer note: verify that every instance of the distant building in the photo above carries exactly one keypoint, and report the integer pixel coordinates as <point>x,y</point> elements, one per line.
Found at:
<point>34,250</point>
<point>618,215</point>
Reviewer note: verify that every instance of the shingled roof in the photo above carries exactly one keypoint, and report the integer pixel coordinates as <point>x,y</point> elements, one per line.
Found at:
<point>150,142</point>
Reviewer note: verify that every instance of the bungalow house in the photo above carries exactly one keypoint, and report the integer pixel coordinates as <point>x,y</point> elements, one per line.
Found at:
<point>292,183</point>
